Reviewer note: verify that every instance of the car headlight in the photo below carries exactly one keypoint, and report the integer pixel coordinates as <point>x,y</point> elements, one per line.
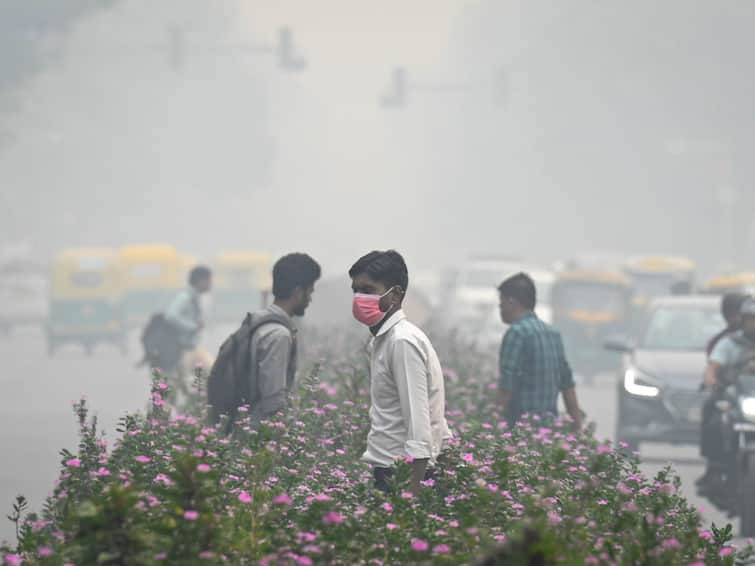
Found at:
<point>747,406</point>
<point>637,383</point>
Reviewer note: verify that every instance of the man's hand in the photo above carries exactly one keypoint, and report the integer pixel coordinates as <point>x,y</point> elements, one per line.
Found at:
<point>572,407</point>
<point>711,375</point>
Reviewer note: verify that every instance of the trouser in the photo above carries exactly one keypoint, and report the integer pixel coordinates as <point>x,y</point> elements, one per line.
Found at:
<point>711,434</point>
<point>384,476</point>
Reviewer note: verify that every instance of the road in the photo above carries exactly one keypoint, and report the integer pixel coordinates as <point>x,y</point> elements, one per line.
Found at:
<point>36,419</point>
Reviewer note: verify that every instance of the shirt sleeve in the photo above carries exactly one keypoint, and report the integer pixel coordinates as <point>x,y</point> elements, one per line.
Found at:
<point>178,313</point>
<point>272,357</point>
<point>410,372</point>
<point>722,353</point>
<point>510,358</point>
<point>566,376</point>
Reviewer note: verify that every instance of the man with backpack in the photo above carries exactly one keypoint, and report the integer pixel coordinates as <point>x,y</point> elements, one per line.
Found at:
<point>256,365</point>
<point>171,339</point>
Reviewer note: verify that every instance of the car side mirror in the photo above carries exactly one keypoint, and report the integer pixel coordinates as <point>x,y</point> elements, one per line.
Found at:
<point>618,343</point>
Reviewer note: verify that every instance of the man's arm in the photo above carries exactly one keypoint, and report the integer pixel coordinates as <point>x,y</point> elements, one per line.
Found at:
<point>272,356</point>
<point>721,356</point>
<point>509,361</point>
<point>177,314</point>
<point>712,371</point>
<point>568,387</point>
<point>410,373</point>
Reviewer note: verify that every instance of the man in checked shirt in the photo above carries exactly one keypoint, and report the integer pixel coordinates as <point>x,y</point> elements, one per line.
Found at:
<point>533,365</point>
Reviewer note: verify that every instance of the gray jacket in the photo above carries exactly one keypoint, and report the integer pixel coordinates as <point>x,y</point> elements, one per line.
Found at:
<point>273,355</point>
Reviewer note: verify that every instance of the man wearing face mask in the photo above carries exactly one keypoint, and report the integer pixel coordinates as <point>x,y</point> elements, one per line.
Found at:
<point>407,415</point>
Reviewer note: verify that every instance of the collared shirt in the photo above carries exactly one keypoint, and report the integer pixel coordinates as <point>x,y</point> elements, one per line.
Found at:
<point>731,350</point>
<point>408,402</point>
<point>185,313</point>
<point>533,367</point>
<point>274,353</point>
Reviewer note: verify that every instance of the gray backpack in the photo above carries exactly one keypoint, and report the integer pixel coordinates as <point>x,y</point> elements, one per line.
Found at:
<point>230,383</point>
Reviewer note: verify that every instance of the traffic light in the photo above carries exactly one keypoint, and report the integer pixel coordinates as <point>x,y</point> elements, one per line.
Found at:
<point>397,94</point>
<point>287,58</point>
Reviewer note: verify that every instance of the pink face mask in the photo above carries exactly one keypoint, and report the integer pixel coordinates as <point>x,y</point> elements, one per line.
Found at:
<point>366,308</point>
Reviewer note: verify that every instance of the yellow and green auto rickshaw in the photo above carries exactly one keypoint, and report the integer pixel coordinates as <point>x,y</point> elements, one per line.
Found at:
<point>588,306</point>
<point>85,300</point>
<point>152,274</point>
<point>242,282</point>
<point>743,282</point>
<point>660,276</point>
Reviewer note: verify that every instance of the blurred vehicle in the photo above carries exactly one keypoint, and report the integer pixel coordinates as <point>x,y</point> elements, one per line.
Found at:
<point>242,282</point>
<point>85,299</point>
<point>24,293</point>
<point>152,274</point>
<point>743,282</point>
<point>475,294</point>
<point>659,396</point>
<point>589,306</point>
<point>660,276</point>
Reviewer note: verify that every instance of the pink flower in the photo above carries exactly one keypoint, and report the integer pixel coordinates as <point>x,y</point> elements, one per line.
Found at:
<point>407,495</point>
<point>45,551</point>
<point>244,497</point>
<point>333,518</point>
<point>143,459</point>
<point>162,386</point>
<point>441,549</point>
<point>725,551</point>
<point>72,463</point>
<point>304,560</point>
<point>204,468</point>
<point>602,502</point>
<point>191,515</point>
<point>387,507</point>
<point>707,535</point>
<point>420,545</point>
<point>12,559</point>
<point>391,526</point>
<point>468,457</point>
<point>282,499</point>
<point>102,472</point>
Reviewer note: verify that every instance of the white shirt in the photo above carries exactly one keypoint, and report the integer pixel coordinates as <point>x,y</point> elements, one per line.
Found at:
<point>408,399</point>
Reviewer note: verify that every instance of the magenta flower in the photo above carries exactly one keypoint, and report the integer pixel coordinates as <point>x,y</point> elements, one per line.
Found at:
<point>191,515</point>
<point>725,551</point>
<point>283,499</point>
<point>13,559</point>
<point>441,549</point>
<point>45,551</point>
<point>387,507</point>
<point>420,545</point>
<point>204,468</point>
<point>72,463</point>
<point>333,518</point>
<point>391,526</point>
<point>468,457</point>
<point>102,472</point>
<point>244,497</point>
<point>143,459</point>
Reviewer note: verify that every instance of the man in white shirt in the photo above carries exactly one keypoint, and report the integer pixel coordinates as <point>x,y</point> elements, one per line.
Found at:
<point>407,412</point>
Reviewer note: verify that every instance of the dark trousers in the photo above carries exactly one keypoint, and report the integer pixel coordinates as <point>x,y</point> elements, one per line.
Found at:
<point>384,476</point>
<point>711,434</point>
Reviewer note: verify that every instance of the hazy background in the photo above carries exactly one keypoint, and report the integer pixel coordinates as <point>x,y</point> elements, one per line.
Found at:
<point>622,126</point>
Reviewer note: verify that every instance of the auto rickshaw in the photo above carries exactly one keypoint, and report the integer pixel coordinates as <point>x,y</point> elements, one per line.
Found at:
<point>743,282</point>
<point>589,306</point>
<point>242,282</point>
<point>659,276</point>
<point>152,275</point>
<point>85,300</point>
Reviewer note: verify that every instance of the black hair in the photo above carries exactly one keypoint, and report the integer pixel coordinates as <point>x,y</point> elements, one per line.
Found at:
<point>292,271</point>
<point>520,287</point>
<point>199,273</point>
<point>387,267</point>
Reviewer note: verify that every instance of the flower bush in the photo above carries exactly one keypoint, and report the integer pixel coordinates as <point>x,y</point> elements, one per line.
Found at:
<point>173,490</point>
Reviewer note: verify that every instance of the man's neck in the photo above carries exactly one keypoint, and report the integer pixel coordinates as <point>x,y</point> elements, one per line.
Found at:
<point>519,316</point>
<point>285,306</point>
<point>375,329</point>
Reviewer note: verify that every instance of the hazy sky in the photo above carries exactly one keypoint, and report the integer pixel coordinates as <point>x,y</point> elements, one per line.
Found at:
<point>623,124</point>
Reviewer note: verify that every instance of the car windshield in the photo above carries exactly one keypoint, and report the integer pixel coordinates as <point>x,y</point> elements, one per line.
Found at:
<point>682,328</point>
<point>590,297</point>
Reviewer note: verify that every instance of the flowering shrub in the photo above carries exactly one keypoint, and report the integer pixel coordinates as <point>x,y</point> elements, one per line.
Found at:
<point>293,491</point>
